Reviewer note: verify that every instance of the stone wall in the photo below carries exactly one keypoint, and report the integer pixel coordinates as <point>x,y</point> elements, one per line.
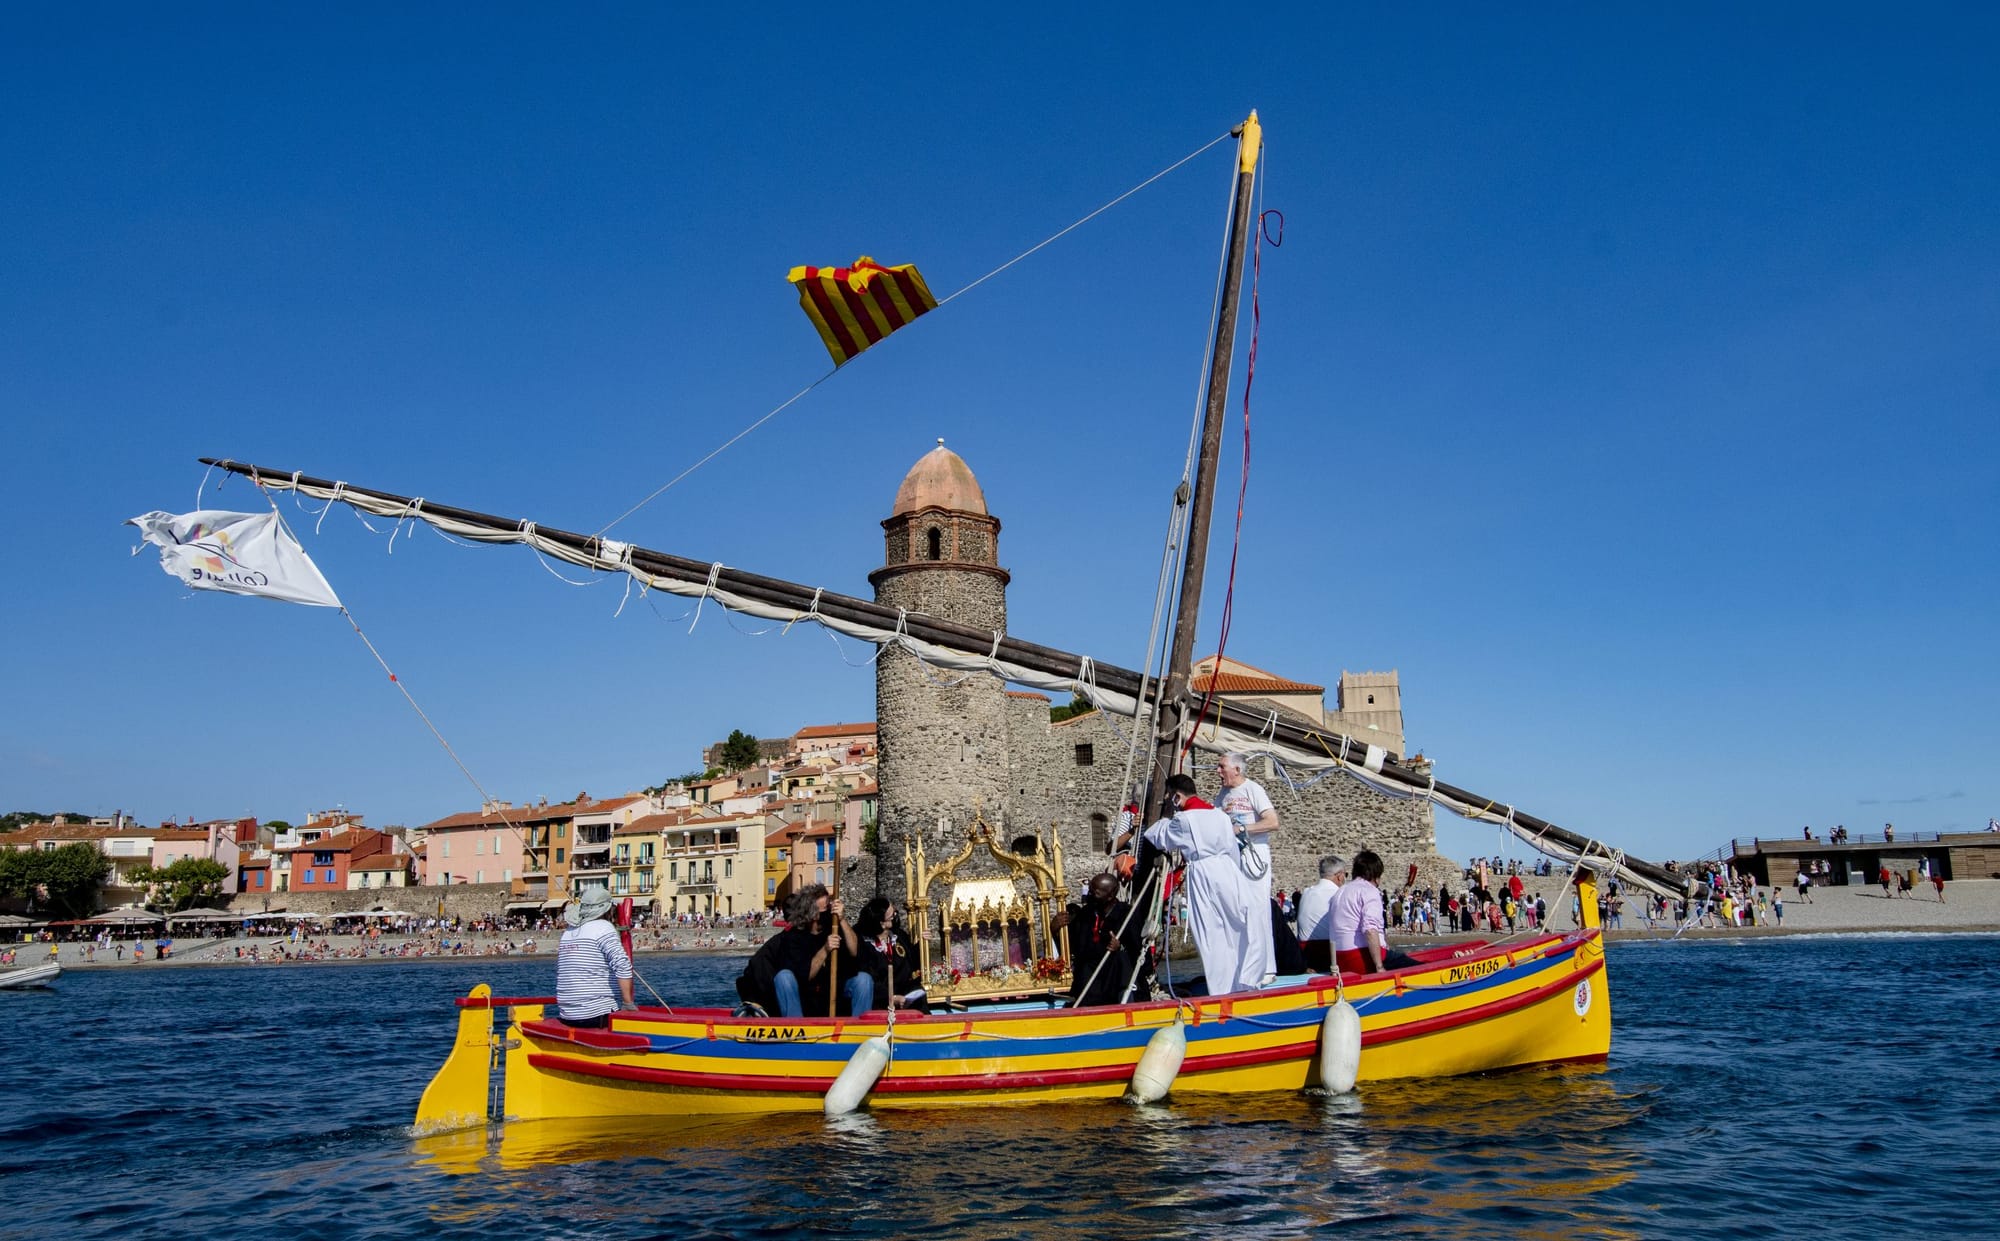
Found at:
<point>942,736</point>
<point>461,900</point>
<point>1051,783</point>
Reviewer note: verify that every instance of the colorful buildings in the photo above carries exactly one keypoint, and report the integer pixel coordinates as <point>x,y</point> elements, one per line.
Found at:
<point>325,864</point>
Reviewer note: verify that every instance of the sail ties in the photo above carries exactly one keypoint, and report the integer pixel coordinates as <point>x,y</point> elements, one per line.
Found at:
<point>811,613</point>
<point>535,544</point>
<point>714,571</point>
<point>339,488</point>
<point>611,554</point>
<point>1086,679</point>
<point>415,508</point>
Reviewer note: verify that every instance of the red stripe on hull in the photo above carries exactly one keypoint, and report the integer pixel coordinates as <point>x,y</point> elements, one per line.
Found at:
<point>1039,1079</point>
<point>960,1082</point>
<point>681,1077</point>
<point>1483,1012</point>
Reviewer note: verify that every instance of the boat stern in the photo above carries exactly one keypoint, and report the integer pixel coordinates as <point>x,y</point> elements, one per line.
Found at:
<point>458,1094</point>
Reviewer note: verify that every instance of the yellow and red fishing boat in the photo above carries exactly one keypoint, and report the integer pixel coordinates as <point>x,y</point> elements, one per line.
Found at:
<point>999,1030</point>
<point>1467,1008</point>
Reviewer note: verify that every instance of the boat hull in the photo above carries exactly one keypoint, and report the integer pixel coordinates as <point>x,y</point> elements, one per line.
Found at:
<point>30,976</point>
<point>1541,1002</point>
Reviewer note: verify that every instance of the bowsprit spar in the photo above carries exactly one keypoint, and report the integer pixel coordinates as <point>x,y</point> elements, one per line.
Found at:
<point>1296,748</point>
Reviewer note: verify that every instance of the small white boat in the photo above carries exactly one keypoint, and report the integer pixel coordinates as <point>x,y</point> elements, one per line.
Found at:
<point>29,976</point>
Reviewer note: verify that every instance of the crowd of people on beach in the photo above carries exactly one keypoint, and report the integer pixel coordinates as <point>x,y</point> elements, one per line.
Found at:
<point>276,939</point>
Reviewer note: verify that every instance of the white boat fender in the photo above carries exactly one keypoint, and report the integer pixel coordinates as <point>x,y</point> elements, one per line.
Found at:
<point>1340,1047</point>
<point>858,1077</point>
<point>1159,1064</point>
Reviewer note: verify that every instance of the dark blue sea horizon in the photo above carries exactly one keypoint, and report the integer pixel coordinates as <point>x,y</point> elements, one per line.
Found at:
<point>1754,1085</point>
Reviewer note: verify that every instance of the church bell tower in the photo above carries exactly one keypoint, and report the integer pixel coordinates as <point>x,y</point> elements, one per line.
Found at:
<point>942,734</point>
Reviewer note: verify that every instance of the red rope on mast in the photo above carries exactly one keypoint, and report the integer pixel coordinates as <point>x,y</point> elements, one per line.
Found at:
<point>1243,485</point>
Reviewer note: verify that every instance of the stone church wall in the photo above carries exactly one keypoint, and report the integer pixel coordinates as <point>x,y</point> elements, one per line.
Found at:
<point>1050,782</point>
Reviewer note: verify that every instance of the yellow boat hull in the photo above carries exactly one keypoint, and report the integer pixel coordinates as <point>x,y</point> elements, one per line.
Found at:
<point>1543,1002</point>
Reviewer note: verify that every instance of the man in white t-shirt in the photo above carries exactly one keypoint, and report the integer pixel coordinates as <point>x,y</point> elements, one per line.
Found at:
<point>1249,808</point>
<point>1315,914</point>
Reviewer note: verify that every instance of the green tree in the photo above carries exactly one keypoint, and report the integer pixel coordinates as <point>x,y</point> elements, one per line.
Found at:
<point>70,877</point>
<point>17,873</point>
<point>1077,706</point>
<point>690,778</point>
<point>184,882</point>
<point>15,820</point>
<point>277,825</point>
<point>740,751</point>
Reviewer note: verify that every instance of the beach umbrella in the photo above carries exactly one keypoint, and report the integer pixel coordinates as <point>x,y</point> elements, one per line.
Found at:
<point>123,917</point>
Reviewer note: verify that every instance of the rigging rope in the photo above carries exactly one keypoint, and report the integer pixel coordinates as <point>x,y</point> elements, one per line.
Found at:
<point>484,797</point>
<point>796,396</point>
<point>1173,551</point>
<point>1243,484</point>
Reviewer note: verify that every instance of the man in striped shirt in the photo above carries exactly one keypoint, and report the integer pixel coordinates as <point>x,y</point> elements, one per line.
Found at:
<point>587,960</point>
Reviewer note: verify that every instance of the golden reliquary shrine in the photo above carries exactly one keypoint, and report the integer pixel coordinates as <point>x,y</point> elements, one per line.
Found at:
<point>982,918</point>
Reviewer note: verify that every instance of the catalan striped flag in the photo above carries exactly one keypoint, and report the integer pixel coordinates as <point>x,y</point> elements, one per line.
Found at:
<point>854,307</point>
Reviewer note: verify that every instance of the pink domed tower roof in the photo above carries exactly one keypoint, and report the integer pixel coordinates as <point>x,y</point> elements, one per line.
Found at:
<point>940,479</point>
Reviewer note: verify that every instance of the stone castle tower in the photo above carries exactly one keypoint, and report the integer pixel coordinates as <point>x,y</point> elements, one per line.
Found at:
<point>955,743</point>
<point>943,736</point>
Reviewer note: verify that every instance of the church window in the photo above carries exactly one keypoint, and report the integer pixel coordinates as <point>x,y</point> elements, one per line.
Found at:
<point>1100,833</point>
<point>1371,700</point>
<point>934,538</point>
<point>1086,754</point>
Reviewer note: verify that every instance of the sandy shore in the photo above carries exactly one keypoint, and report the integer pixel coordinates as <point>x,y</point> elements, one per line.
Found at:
<point>1968,905</point>
<point>1971,905</point>
<point>357,950</point>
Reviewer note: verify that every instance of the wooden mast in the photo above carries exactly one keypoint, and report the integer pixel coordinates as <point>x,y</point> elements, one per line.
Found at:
<point>1174,697</point>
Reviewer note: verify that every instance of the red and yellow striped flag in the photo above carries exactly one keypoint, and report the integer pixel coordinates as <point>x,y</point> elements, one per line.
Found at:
<point>854,307</point>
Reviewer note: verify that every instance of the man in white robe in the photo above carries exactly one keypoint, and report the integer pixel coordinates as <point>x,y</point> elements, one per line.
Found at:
<point>1227,911</point>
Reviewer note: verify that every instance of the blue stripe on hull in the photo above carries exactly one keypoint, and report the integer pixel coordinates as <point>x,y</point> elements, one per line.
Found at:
<point>951,1048</point>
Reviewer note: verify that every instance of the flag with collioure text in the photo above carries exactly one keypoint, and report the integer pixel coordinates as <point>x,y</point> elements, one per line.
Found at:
<point>241,553</point>
<point>854,307</point>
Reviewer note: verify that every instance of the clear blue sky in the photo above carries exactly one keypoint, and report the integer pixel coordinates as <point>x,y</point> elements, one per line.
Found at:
<point>1628,380</point>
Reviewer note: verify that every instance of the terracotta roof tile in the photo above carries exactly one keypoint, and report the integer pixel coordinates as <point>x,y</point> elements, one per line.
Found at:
<point>383,861</point>
<point>833,730</point>
<point>1237,683</point>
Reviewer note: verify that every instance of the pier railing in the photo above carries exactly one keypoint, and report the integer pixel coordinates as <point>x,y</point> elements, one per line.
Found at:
<point>1740,847</point>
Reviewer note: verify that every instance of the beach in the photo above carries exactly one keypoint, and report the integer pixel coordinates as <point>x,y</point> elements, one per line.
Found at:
<point>1968,905</point>
<point>1971,905</point>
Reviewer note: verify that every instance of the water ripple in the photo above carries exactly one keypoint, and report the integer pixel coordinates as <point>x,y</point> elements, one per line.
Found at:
<point>232,1101</point>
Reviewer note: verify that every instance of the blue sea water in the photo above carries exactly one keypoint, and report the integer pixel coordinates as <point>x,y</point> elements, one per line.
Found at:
<point>1846,1087</point>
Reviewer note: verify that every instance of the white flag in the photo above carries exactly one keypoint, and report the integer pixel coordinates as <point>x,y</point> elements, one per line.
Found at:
<point>242,553</point>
